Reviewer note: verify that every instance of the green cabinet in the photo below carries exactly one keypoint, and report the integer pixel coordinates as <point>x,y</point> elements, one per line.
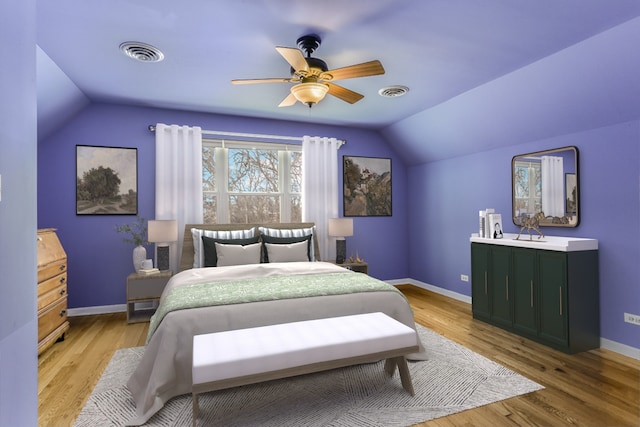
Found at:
<point>525,296</point>
<point>500,293</point>
<point>551,297</point>
<point>479,281</point>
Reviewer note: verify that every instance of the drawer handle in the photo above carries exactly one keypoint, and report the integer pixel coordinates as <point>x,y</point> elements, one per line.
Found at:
<point>63,312</point>
<point>62,267</point>
<point>62,280</point>
<point>63,291</point>
<point>485,282</point>
<point>532,294</point>
<point>560,292</point>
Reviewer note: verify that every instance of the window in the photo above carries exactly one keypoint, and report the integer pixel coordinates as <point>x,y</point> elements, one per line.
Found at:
<point>527,188</point>
<point>249,182</point>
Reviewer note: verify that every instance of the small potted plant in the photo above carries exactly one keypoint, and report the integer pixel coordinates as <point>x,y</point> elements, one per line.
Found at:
<point>136,234</point>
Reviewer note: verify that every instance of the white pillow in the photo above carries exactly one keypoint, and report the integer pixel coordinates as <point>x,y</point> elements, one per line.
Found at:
<point>238,254</point>
<point>198,251</point>
<point>292,232</point>
<point>291,252</point>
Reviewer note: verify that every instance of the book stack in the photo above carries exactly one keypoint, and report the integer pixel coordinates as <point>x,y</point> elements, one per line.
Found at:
<point>490,224</point>
<point>149,271</point>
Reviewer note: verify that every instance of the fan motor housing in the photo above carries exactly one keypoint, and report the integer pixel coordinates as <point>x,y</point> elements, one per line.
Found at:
<point>314,63</point>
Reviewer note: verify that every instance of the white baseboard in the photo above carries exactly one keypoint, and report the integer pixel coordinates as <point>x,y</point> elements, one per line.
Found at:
<point>623,349</point>
<point>437,290</point>
<point>97,309</point>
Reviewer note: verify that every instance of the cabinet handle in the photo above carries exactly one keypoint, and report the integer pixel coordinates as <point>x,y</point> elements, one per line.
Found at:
<point>506,286</point>
<point>63,312</point>
<point>532,294</point>
<point>62,280</point>
<point>63,291</point>
<point>62,267</point>
<point>560,288</point>
<point>485,282</point>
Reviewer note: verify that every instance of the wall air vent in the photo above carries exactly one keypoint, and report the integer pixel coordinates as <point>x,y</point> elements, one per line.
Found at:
<point>393,91</point>
<point>141,52</point>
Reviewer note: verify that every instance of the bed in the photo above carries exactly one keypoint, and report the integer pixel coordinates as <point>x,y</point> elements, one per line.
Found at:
<point>200,299</point>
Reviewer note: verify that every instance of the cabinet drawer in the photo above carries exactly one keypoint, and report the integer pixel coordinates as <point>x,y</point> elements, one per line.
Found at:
<point>145,288</point>
<point>49,319</point>
<point>52,295</point>
<point>51,270</point>
<point>52,283</point>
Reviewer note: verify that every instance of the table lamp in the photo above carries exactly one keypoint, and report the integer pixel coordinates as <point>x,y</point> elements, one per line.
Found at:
<point>162,232</point>
<point>340,228</point>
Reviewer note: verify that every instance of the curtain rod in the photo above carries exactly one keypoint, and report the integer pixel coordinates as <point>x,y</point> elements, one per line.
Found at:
<point>152,128</point>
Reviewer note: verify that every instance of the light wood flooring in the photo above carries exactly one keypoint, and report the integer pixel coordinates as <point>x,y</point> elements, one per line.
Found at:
<point>595,388</point>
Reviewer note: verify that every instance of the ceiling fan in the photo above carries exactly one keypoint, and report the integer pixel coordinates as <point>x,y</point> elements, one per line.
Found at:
<point>313,77</point>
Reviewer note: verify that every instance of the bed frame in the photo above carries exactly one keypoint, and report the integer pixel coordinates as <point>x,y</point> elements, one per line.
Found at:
<point>186,258</point>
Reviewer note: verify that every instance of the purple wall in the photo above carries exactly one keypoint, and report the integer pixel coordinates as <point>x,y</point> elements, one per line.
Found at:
<point>435,205</point>
<point>99,261</point>
<point>447,195</point>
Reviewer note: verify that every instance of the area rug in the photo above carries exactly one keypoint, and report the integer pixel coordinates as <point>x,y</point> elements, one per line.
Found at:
<point>453,379</point>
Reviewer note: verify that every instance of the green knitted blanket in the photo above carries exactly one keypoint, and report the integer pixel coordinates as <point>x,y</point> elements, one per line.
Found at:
<point>264,289</point>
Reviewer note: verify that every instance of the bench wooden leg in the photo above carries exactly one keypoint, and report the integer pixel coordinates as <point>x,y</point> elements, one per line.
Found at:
<point>195,409</point>
<point>403,368</point>
<point>390,366</point>
<point>405,375</point>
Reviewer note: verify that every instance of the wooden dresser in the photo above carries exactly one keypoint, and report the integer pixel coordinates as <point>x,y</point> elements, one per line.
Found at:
<point>52,289</point>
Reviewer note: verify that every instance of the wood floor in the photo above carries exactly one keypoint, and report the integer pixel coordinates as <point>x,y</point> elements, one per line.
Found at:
<point>595,388</point>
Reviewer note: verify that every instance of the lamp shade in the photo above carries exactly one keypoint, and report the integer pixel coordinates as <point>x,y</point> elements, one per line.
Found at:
<point>340,227</point>
<point>163,230</point>
<point>309,93</point>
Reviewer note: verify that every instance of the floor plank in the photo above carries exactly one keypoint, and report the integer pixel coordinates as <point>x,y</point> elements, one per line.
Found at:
<point>595,388</point>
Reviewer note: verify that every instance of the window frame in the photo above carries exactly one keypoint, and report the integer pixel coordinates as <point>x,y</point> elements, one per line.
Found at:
<point>221,191</point>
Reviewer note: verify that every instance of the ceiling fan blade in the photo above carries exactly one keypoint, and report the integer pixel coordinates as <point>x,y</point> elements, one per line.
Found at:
<point>294,57</point>
<point>343,93</point>
<point>288,101</point>
<point>371,68</point>
<point>253,81</point>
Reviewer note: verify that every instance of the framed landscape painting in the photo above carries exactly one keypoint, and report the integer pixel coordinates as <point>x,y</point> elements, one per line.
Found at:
<point>106,180</point>
<point>366,186</point>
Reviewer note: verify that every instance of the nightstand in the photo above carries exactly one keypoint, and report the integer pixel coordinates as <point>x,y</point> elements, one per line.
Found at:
<point>358,267</point>
<point>144,288</point>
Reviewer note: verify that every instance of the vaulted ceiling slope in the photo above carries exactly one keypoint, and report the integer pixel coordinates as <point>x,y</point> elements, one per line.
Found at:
<point>474,69</point>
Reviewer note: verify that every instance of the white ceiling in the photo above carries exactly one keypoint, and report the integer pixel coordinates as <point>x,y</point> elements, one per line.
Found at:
<point>440,49</point>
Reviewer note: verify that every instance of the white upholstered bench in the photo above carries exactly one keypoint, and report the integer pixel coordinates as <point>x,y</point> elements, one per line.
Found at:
<point>247,356</point>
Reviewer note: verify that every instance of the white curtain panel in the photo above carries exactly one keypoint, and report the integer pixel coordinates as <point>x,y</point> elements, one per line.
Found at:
<point>552,174</point>
<point>320,188</point>
<point>178,180</point>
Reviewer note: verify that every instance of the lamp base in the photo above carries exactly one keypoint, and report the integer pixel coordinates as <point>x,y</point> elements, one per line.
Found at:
<point>341,251</point>
<point>162,254</point>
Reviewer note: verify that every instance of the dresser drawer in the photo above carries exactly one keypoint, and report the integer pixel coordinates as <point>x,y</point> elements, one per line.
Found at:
<point>52,283</point>
<point>50,318</point>
<point>52,295</point>
<point>52,270</point>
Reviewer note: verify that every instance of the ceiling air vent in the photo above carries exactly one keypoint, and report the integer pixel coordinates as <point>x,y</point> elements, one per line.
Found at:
<point>393,91</point>
<point>141,52</point>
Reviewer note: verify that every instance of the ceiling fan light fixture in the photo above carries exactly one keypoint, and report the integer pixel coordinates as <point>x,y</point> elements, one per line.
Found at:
<point>310,93</point>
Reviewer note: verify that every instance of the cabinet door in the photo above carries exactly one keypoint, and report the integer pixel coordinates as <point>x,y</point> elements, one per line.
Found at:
<point>553,297</point>
<point>523,281</point>
<point>499,287</point>
<point>479,280</point>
